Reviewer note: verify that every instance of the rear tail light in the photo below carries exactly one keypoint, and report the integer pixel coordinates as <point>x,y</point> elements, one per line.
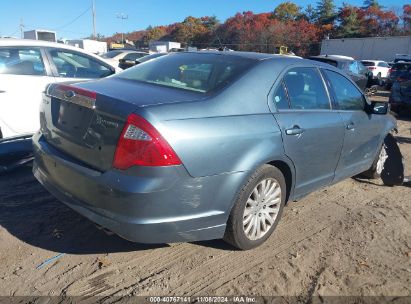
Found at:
<point>140,144</point>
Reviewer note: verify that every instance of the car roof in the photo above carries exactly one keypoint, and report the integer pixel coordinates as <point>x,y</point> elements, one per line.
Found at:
<point>11,42</point>
<point>250,55</point>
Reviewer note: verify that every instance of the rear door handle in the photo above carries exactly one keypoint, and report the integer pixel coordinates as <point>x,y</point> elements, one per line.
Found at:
<point>350,126</point>
<point>295,130</point>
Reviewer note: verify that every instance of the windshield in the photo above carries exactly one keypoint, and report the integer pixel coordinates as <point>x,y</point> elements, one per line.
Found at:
<point>190,71</point>
<point>111,54</point>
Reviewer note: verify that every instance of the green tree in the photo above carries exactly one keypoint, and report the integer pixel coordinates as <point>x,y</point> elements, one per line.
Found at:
<point>287,11</point>
<point>349,21</point>
<point>372,3</point>
<point>325,12</point>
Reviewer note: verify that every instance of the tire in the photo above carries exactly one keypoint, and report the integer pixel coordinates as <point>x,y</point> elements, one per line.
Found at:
<point>375,171</point>
<point>236,231</point>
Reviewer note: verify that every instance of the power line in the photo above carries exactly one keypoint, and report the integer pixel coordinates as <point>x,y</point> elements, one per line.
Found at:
<point>75,19</point>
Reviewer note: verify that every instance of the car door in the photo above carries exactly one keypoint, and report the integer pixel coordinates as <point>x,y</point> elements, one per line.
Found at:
<point>363,131</point>
<point>24,73</point>
<point>68,65</point>
<point>312,132</point>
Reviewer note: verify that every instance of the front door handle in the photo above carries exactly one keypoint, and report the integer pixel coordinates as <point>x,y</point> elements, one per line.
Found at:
<point>1,91</point>
<point>295,130</point>
<point>350,126</point>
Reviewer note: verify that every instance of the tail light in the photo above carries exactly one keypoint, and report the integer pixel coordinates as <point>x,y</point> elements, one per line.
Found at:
<point>140,144</point>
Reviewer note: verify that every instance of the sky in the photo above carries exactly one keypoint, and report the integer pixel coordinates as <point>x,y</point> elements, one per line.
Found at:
<point>73,18</point>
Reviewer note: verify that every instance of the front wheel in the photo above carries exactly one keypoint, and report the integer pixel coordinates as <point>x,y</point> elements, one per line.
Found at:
<point>257,210</point>
<point>378,165</point>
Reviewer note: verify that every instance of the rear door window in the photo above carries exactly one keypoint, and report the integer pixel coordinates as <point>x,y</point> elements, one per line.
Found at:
<point>21,61</point>
<point>345,92</point>
<point>306,89</point>
<point>280,98</point>
<point>75,65</point>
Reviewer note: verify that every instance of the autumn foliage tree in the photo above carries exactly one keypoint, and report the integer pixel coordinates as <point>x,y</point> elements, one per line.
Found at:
<point>301,30</point>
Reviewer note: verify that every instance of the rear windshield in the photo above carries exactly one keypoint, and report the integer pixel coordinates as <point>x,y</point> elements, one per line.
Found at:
<point>134,56</point>
<point>200,72</point>
<point>402,66</point>
<point>368,63</point>
<point>325,60</point>
<point>111,54</point>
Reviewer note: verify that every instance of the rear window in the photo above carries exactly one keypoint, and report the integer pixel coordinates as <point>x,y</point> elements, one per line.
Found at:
<point>134,56</point>
<point>201,73</point>
<point>111,54</point>
<point>325,60</point>
<point>368,63</point>
<point>401,66</point>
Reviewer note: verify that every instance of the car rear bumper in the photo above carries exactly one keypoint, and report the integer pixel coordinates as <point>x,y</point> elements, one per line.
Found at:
<point>148,205</point>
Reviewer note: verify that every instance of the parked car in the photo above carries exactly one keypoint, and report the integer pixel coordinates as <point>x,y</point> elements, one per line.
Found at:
<point>379,70</point>
<point>27,66</point>
<point>400,97</point>
<point>197,146</point>
<point>115,56</point>
<point>395,71</point>
<point>130,62</point>
<point>402,57</point>
<point>355,69</point>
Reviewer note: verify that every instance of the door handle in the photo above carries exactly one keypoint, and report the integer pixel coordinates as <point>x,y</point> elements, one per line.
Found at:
<point>295,130</point>
<point>1,91</point>
<point>350,126</point>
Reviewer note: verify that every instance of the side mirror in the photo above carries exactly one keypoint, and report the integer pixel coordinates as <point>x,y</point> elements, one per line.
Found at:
<point>375,107</point>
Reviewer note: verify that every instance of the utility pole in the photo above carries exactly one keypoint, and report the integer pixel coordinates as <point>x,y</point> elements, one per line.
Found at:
<point>21,28</point>
<point>122,17</point>
<point>94,21</point>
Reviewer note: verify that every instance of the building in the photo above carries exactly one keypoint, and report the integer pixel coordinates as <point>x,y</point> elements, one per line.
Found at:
<point>163,46</point>
<point>373,48</point>
<point>44,35</point>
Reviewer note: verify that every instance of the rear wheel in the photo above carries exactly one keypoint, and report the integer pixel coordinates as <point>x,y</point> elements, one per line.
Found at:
<point>257,210</point>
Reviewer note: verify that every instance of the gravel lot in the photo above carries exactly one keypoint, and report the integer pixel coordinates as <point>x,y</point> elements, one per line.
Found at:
<point>353,238</point>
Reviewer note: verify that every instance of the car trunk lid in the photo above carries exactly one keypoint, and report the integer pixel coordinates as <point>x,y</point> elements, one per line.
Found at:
<point>85,121</point>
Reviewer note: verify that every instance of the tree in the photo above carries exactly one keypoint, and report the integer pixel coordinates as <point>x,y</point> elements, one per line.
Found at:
<point>325,12</point>
<point>349,21</point>
<point>287,11</point>
<point>371,3</point>
<point>406,17</point>
<point>309,14</point>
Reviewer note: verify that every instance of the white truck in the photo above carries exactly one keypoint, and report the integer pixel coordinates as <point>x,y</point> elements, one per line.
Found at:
<point>44,35</point>
<point>91,46</point>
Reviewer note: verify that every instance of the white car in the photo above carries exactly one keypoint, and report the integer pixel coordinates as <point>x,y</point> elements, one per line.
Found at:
<point>27,66</point>
<point>378,68</point>
<point>114,56</point>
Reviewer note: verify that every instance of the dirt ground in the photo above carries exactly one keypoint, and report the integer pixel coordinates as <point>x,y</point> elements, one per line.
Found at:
<point>352,238</point>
